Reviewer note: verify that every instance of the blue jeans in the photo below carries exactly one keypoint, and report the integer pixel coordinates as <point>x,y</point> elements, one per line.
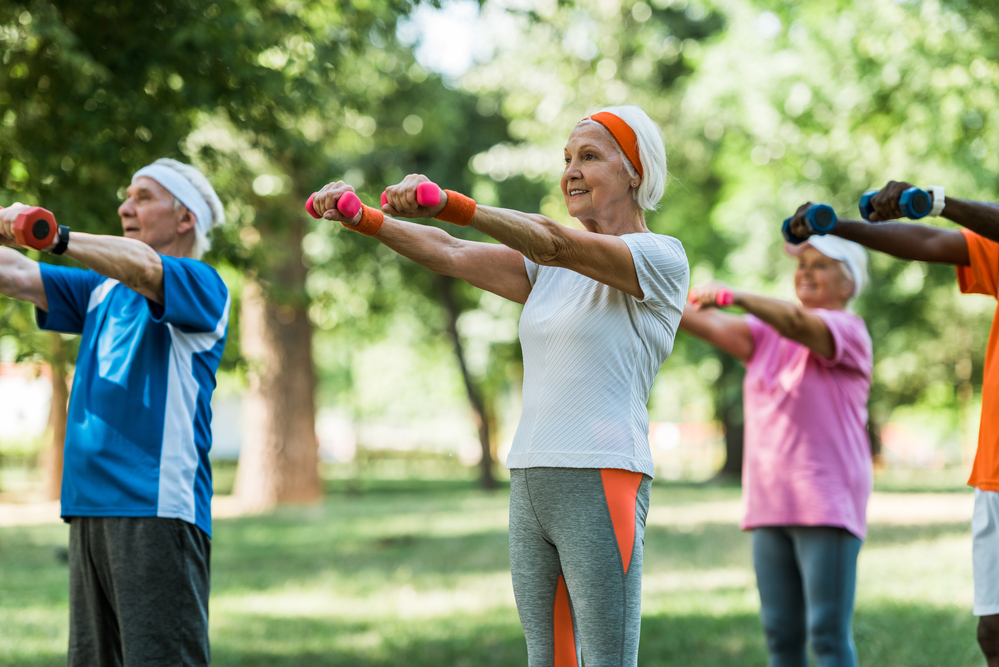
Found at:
<point>807,576</point>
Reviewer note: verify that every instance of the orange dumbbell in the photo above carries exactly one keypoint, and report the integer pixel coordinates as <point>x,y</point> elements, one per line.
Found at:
<point>35,228</point>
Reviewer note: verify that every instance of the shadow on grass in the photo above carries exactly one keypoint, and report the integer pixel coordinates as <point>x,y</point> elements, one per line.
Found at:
<point>361,486</point>
<point>880,535</point>
<point>887,637</point>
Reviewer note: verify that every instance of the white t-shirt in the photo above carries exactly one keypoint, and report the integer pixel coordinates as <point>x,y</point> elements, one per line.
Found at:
<point>591,353</point>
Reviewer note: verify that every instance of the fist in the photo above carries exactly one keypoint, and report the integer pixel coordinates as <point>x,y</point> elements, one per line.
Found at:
<point>401,200</point>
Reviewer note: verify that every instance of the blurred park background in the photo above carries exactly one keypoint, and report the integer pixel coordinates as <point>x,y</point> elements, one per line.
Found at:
<point>365,406</point>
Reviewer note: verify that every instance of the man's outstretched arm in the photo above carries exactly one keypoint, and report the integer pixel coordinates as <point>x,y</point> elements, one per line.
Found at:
<point>919,243</point>
<point>21,278</point>
<point>129,261</point>
<point>980,217</point>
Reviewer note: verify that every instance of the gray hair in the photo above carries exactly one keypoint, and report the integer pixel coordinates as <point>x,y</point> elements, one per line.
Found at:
<point>651,151</point>
<point>202,243</point>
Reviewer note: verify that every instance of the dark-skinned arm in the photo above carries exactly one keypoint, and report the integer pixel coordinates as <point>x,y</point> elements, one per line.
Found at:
<point>904,240</point>
<point>980,217</point>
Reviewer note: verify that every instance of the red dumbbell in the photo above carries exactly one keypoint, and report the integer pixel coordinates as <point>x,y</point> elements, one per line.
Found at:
<point>427,195</point>
<point>34,227</point>
<point>348,204</point>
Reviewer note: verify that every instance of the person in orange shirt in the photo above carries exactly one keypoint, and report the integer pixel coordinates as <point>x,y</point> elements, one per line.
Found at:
<point>975,252</point>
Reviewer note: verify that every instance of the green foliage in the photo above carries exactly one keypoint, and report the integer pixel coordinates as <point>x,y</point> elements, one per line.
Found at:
<point>764,105</point>
<point>837,100</point>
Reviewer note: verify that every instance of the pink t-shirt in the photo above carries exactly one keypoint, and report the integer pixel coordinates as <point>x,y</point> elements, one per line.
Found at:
<point>807,453</point>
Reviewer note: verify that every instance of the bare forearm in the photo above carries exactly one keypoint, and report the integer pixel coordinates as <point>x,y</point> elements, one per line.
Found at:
<point>787,318</point>
<point>980,217</point>
<point>729,333</point>
<point>907,241</point>
<point>21,278</point>
<point>130,262</point>
<point>427,246</point>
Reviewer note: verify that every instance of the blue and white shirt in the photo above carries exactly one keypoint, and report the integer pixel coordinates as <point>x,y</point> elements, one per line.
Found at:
<point>591,354</point>
<point>139,426</point>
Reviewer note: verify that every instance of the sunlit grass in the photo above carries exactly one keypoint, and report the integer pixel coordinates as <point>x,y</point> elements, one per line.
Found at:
<point>418,574</point>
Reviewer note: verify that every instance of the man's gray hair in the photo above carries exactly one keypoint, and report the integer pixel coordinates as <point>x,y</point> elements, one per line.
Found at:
<point>202,243</point>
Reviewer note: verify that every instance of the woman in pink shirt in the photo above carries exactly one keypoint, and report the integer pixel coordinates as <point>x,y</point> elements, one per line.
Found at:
<point>807,473</point>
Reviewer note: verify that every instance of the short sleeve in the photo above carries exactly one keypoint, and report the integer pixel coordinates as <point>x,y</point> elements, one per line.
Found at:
<point>762,334</point>
<point>194,296</point>
<point>68,292</point>
<point>661,265</point>
<point>532,270</point>
<point>851,340</point>
<point>979,277</point>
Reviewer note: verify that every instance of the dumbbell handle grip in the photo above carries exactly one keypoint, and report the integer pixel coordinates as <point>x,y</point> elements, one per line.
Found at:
<point>724,297</point>
<point>348,204</point>
<point>428,195</point>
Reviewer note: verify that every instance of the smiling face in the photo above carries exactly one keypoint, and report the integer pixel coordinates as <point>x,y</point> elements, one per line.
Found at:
<point>595,184</point>
<point>148,215</point>
<point>821,282</point>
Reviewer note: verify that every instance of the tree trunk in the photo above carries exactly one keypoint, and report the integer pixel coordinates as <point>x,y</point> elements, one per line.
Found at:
<point>55,432</point>
<point>728,408</point>
<point>480,412</point>
<point>279,459</point>
<point>734,446</point>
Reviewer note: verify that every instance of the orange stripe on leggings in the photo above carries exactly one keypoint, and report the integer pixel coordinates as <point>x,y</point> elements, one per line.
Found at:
<point>621,490</point>
<point>564,640</point>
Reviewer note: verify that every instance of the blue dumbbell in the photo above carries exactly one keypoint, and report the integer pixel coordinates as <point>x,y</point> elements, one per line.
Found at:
<point>915,203</point>
<point>821,219</point>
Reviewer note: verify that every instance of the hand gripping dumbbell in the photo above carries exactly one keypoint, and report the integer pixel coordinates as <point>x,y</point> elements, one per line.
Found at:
<point>348,204</point>
<point>723,298</point>
<point>35,228</point>
<point>821,219</point>
<point>427,195</point>
<point>914,202</point>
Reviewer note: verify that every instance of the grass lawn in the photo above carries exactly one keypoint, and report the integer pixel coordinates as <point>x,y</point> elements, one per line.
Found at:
<point>417,573</point>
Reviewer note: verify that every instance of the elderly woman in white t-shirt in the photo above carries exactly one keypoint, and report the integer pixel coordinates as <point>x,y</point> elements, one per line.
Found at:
<point>601,309</point>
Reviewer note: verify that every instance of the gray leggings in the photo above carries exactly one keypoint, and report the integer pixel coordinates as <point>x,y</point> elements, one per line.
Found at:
<point>576,538</point>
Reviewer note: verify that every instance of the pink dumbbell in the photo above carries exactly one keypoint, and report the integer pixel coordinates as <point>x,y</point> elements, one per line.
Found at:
<point>723,298</point>
<point>427,194</point>
<point>348,204</point>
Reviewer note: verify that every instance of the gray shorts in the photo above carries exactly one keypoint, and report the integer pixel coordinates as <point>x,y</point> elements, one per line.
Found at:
<point>985,552</point>
<point>138,592</point>
<point>576,538</point>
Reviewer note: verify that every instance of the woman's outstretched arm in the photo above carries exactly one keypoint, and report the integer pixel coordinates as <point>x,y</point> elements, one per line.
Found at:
<point>489,266</point>
<point>729,333</point>
<point>602,257</point>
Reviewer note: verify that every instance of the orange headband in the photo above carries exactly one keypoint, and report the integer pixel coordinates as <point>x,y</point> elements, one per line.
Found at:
<point>623,135</point>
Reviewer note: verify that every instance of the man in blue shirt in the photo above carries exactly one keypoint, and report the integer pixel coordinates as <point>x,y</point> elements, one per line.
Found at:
<point>137,484</point>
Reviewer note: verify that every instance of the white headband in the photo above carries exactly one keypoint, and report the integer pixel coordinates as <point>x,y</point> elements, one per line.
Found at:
<point>182,189</point>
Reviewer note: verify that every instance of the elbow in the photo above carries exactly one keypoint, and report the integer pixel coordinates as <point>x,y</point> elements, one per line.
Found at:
<point>795,324</point>
<point>550,246</point>
<point>147,274</point>
<point>453,256</point>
